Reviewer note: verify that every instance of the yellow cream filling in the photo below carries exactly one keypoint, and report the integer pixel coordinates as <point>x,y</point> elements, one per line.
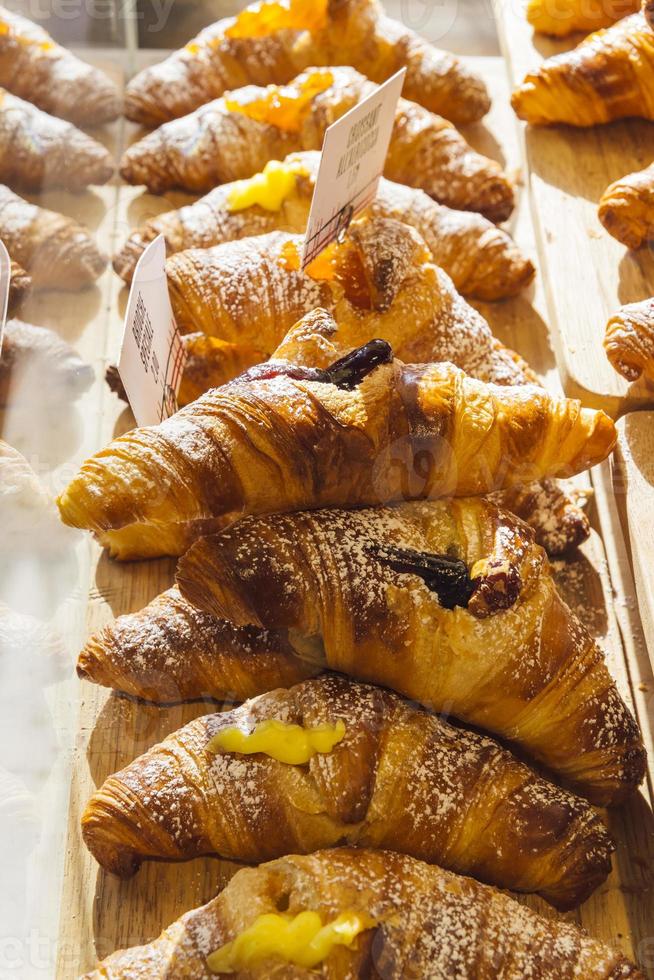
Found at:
<point>283,105</point>
<point>268,16</point>
<point>292,744</point>
<point>269,188</point>
<point>302,940</point>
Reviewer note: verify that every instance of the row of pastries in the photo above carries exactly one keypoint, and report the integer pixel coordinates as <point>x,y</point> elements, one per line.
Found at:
<point>362,485</point>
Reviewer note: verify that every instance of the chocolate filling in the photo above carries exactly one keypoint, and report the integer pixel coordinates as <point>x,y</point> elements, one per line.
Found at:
<point>346,373</point>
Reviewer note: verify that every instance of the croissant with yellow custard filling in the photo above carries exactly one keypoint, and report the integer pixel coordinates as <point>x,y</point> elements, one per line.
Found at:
<point>235,136</point>
<point>481,259</point>
<point>331,760</point>
<point>421,922</point>
<point>610,75</point>
<point>274,40</point>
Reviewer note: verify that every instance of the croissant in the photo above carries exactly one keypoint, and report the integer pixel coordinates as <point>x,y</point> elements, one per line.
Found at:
<point>19,286</point>
<point>629,340</point>
<point>379,282</point>
<point>35,360</point>
<point>481,259</point>
<point>234,137</point>
<point>626,208</point>
<point>450,603</point>
<point>36,68</point>
<point>57,252</point>
<point>567,16</point>
<point>170,651</point>
<point>610,75</point>
<point>38,150</point>
<point>383,763</point>
<point>554,512</point>
<point>272,42</point>
<point>348,435</point>
<point>417,920</point>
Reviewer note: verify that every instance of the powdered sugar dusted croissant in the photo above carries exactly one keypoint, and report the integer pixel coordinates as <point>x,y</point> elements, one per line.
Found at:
<point>235,136</point>
<point>481,259</point>
<point>421,922</point>
<point>380,281</point>
<point>34,358</point>
<point>170,651</point>
<point>366,429</point>
<point>629,340</point>
<point>610,75</point>
<point>626,208</point>
<point>34,67</point>
<point>388,775</point>
<point>55,250</point>
<point>449,602</point>
<point>272,42</point>
<point>39,151</point>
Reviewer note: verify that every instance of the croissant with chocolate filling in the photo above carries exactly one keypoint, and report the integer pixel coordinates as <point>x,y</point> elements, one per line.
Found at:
<point>56,251</point>
<point>39,151</point>
<point>610,75</point>
<point>629,340</point>
<point>481,259</point>
<point>386,775</point>
<point>380,281</point>
<point>36,68</point>
<point>273,41</point>
<point>235,136</point>
<point>399,918</point>
<point>561,17</point>
<point>448,602</point>
<point>626,208</point>
<point>284,437</point>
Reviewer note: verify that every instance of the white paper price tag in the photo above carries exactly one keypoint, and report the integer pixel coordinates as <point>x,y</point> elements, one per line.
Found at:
<point>5,283</point>
<point>152,356</point>
<point>353,154</point>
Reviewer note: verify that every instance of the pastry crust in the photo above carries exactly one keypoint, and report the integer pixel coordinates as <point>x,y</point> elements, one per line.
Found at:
<point>626,208</point>
<point>629,341</point>
<point>39,151</point>
<point>56,251</point>
<point>355,33</point>
<point>36,68</point>
<point>181,800</point>
<point>562,17</point>
<point>481,259</point>
<point>431,923</point>
<point>19,286</point>
<point>216,144</point>
<point>35,356</point>
<point>286,443</point>
<point>319,575</point>
<point>610,75</point>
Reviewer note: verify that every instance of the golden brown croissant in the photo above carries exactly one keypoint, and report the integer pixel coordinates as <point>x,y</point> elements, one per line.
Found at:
<point>554,512</point>
<point>629,340</point>
<point>626,208</point>
<point>39,151</point>
<point>284,437</point>
<point>390,775</point>
<point>610,75</point>
<point>561,17</point>
<point>56,251</point>
<point>19,286</point>
<point>170,651</point>
<point>379,282</point>
<point>448,602</point>
<point>273,42</point>
<point>422,923</point>
<point>36,68</point>
<point>481,259</point>
<point>234,137</point>
<point>36,359</point>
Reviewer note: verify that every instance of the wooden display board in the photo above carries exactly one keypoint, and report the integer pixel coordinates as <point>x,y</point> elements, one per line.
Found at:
<point>99,913</point>
<point>588,274</point>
